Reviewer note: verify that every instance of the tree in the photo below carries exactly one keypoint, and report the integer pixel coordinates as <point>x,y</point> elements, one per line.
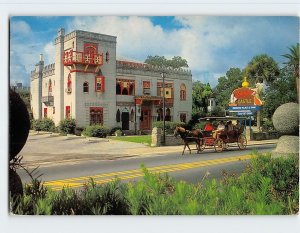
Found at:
<point>226,85</point>
<point>175,62</point>
<point>293,63</point>
<point>281,91</point>
<point>201,93</point>
<point>262,69</point>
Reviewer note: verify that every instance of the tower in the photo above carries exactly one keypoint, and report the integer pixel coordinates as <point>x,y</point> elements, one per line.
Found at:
<point>36,89</point>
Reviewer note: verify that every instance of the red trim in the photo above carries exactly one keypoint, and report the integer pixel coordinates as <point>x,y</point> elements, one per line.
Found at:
<point>68,111</point>
<point>100,78</point>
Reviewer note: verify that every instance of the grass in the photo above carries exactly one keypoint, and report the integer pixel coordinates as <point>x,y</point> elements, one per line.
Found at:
<point>145,139</point>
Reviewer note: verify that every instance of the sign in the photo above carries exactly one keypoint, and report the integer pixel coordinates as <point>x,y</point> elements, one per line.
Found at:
<point>245,96</point>
<point>239,108</point>
<point>245,113</point>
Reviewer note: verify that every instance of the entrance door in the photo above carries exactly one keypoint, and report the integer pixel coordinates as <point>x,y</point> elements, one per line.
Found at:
<point>125,120</point>
<point>45,112</point>
<point>145,118</point>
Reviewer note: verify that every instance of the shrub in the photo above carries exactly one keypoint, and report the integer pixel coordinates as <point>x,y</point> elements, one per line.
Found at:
<point>113,130</point>
<point>267,186</point>
<point>169,125</point>
<point>96,131</point>
<point>45,124</point>
<point>67,126</point>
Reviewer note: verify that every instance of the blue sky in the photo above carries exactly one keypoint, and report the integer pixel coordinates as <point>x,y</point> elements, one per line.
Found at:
<point>210,44</point>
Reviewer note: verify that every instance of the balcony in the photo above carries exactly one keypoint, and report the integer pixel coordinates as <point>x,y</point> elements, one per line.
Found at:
<point>73,57</point>
<point>48,100</point>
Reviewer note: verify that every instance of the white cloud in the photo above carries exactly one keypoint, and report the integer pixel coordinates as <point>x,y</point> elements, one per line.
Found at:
<point>49,52</point>
<point>20,27</point>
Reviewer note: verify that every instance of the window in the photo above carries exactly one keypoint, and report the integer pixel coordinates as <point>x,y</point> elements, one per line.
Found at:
<point>132,115</point>
<point>168,115</point>
<point>146,88</point>
<point>125,87</point>
<point>85,87</point>
<point>99,83</point>
<point>168,90</point>
<point>68,112</point>
<point>50,87</point>
<point>96,116</point>
<point>183,117</point>
<point>107,57</point>
<point>182,92</point>
<point>69,84</point>
<point>118,116</point>
<point>159,114</point>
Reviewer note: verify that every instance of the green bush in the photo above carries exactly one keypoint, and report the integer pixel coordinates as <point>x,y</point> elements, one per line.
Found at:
<point>169,125</point>
<point>113,130</point>
<point>67,126</point>
<point>268,186</point>
<point>96,131</point>
<point>45,124</point>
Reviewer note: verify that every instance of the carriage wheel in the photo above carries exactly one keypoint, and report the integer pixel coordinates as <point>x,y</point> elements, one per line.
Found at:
<point>202,144</point>
<point>242,142</point>
<point>219,145</point>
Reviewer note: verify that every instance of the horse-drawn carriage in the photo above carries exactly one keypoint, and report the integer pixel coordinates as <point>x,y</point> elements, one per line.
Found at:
<point>219,138</point>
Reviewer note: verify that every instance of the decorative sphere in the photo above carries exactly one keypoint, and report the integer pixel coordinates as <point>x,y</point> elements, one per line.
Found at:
<point>286,119</point>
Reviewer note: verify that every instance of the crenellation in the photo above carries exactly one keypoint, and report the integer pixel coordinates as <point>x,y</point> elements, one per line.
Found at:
<point>81,88</point>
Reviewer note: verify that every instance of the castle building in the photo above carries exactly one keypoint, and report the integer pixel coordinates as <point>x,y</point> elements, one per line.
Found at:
<point>88,83</point>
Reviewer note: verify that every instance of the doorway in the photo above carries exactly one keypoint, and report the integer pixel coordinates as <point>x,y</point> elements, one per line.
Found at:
<point>145,120</point>
<point>125,120</point>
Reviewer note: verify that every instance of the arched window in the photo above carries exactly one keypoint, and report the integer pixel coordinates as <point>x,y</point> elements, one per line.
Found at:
<point>159,114</point>
<point>69,84</point>
<point>85,87</point>
<point>132,115</point>
<point>182,92</point>
<point>118,116</point>
<point>125,91</point>
<point>168,115</point>
<point>118,89</point>
<point>50,87</point>
<point>131,89</point>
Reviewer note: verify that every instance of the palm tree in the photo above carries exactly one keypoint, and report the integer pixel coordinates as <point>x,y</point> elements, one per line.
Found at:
<point>293,62</point>
<point>262,69</point>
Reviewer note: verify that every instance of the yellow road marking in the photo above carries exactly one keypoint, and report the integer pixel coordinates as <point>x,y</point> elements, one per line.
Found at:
<point>130,174</point>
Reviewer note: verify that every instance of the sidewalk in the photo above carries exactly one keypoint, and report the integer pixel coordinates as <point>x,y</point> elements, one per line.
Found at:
<point>45,149</point>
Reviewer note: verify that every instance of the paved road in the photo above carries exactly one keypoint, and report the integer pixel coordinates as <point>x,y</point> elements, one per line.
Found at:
<point>64,169</point>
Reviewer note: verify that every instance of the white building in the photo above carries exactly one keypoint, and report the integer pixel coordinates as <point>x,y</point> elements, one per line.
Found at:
<point>89,84</point>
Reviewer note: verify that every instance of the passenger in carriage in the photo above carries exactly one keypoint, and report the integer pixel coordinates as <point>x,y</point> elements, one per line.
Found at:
<point>220,129</point>
<point>208,128</point>
<point>229,129</point>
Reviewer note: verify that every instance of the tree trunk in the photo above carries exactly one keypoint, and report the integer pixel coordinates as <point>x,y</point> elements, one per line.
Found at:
<point>258,120</point>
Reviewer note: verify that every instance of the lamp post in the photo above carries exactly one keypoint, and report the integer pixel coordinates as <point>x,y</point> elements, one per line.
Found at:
<point>164,115</point>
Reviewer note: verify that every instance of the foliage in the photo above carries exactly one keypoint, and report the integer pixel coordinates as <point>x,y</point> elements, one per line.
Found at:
<point>268,186</point>
<point>169,125</point>
<point>145,139</point>
<point>45,124</point>
<point>280,91</point>
<point>200,94</point>
<point>19,124</point>
<point>262,69</point>
<point>293,63</point>
<point>226,85</point>
<point>161,61</point>
<point>114,129</point>
<point>67,126</point>
<point>25,96</point>
<point>99,131</point>
<point>293,59</point>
